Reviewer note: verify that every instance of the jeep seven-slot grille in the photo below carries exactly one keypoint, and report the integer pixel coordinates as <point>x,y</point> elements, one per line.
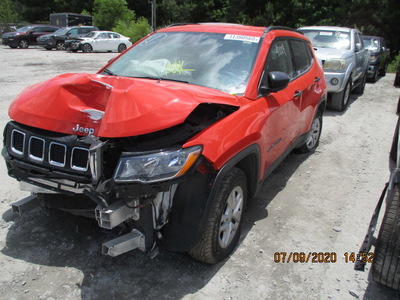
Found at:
<point>47,152</point>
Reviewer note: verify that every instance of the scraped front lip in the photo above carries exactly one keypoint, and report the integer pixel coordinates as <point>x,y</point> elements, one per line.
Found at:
<point>110,106</point>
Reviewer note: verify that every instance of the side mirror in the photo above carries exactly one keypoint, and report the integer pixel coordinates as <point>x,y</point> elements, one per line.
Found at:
<point>358,47</point>
<point>273,82</point>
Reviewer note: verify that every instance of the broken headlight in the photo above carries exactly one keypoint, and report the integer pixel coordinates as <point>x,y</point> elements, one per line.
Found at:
<point>156,166</point>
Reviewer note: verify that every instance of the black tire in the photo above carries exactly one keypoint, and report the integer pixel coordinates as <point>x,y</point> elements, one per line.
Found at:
<point>60,45</point>
<point>222,230</point>
<point>13,47</point>
<point>383,71</point>
<point>386,265</point>
<point>121,48</point>
<point>341,100</point>
<point>313,136</point>
<point>48,48</point>
<point>23,43</point>
<point>359,89</point>
<point>86,48</point>
<point>374,78</point>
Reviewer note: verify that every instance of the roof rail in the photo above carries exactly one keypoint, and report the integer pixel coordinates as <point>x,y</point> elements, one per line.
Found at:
<point>270,28</point>
<point>180,24</point>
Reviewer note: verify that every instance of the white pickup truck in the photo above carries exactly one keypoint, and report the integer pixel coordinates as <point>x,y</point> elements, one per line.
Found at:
<point>344,58</point>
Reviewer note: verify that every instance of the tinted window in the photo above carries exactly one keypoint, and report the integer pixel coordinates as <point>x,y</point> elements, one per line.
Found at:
<point>301,56</point>
<point>84,30</point>
<point>73,31</point>
<point>279,58</point>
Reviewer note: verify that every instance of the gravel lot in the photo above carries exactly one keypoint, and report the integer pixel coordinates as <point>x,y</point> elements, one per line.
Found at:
<point>312,203</point>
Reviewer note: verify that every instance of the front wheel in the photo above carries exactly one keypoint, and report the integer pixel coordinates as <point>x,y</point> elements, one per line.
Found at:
<point>60,45</point>
<point>23,44</point>
<point>361,87</point>
<point>87,48</point>
<point>386,265</point>
<point>222,230</point>
<point>313,135</point>
<point>340,100</point>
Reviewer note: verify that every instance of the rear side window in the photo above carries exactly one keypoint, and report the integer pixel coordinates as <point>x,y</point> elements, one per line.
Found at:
<point>302,57</point>
<point>84,30</point>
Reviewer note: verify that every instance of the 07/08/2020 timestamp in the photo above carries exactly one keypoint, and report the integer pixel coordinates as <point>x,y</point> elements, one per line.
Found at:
<point>321,257</point>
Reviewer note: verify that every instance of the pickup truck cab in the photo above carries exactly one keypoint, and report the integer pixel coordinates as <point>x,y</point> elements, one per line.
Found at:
<point>380,55</point>
<point>344,59</point>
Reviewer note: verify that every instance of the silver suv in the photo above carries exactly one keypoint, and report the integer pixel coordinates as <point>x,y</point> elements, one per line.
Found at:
<point>344,58</point>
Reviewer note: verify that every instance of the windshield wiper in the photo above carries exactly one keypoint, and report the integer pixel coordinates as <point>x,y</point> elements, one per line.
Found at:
<point>160,78</point>
<point>108,72</point>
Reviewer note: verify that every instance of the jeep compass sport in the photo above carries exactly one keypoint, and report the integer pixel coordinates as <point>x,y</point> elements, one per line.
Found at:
<point>171,138</point>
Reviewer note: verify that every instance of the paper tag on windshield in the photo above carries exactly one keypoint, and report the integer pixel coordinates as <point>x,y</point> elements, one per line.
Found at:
<point>242,38</point>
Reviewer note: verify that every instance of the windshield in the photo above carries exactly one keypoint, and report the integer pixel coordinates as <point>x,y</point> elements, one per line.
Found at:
<point>24,29</point>
<point>371,43</point>
<point>215,60</point>
<point>61,31</point>
<point>329,39</point>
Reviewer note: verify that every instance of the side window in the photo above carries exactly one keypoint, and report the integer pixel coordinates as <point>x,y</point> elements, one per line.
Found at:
<point>73,31</point>
<point>103,36</point>
<point>301,57</point>
<point>279,58</point>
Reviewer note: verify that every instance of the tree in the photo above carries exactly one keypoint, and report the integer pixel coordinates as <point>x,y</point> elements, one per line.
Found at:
<point>8,13</point>
<point>107,13</point>
<point>135,30</point>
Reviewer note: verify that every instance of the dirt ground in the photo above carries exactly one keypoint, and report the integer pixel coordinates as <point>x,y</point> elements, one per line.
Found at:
<point>312,203</point>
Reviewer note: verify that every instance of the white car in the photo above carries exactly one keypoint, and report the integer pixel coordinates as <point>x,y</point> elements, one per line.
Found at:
<point>101,41</point>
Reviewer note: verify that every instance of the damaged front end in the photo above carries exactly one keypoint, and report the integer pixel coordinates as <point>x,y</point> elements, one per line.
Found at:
<point>138,182</point>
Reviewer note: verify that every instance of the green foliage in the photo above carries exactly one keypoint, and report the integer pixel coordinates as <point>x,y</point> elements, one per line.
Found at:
<point>107,13</point>
<point>135,30</point>
<point>8,13</point>
<point>392,68</point>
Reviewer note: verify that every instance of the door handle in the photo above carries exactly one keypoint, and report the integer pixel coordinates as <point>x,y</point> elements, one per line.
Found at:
<point>317,79</point>
<point>297,94</point>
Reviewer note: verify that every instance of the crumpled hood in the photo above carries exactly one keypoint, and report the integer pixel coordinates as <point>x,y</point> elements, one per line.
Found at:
<point>110,106</point>
<point>325,53</point>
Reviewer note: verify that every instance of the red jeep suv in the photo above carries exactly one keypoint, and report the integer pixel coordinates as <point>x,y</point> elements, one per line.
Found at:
<point>171,138</point>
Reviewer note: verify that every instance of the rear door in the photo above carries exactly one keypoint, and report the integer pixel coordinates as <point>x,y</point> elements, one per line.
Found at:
<point>307,83</point>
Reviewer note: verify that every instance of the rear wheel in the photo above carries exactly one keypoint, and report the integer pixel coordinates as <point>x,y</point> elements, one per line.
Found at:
<point>87,48</point>
<point>23,44</point>
<point>121,47</point>
<point>386,266</point>
<point>222,230</point>
<point>313,136</point>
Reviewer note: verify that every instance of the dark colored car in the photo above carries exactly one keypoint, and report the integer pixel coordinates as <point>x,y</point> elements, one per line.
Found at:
<point>57,39</point>
<point>27,35</point>
<point>379,56</point>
